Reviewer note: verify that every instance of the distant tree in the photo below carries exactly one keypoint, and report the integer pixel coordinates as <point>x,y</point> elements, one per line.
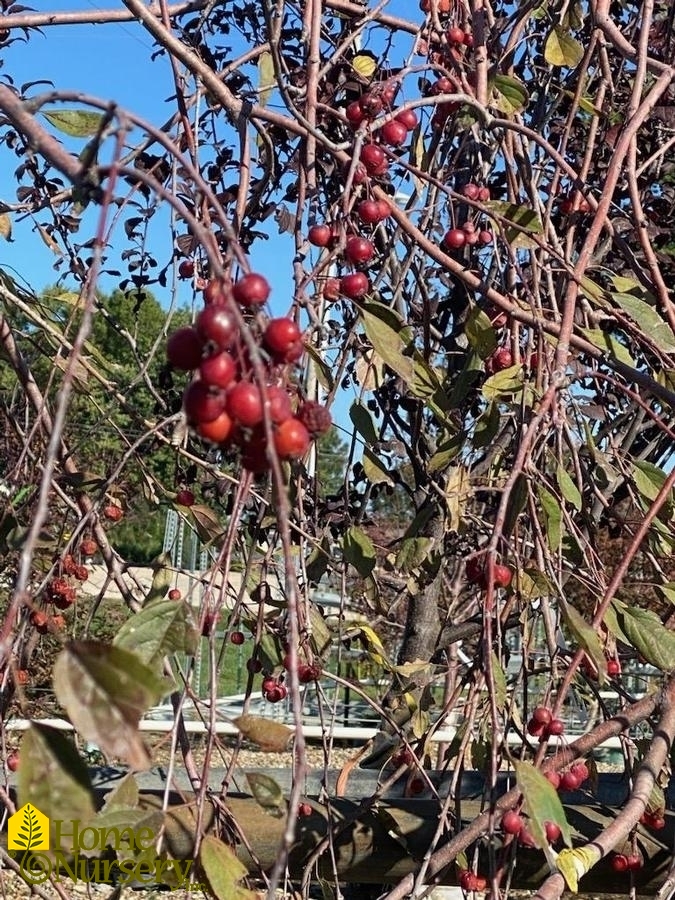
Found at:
<point>332,457</point>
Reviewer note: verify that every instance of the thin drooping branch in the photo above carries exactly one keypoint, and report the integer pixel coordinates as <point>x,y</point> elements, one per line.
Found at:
<point>627,818</point>
<point>445,855</point>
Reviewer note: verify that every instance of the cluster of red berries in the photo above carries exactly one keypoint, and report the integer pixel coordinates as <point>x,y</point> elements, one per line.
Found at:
<point>543,725</point>
<point>622,862</point>
<point>224,403</point>
<point>654,820</point>
<point>62,589</point>
<point>373,162</point>
<point>469,881</point>
<point>469,234</point>
<point>13,761</point>
<point>570,780</point>
<point>513,823</point>
<point>307,672</point>
<point>273,689</point>
<point>446,49</point>
<point>358,251</point>
<point>394,132</point>
<point>44,623</point>
<point>476,573</point>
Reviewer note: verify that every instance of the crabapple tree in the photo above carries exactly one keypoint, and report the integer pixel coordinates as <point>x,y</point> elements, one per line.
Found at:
<point>437,241</point>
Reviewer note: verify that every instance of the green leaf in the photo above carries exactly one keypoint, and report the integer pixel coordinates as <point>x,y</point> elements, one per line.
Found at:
<point>163,573</point>
<point>384,333</point>
<point>516,504</point>
<point>418,667</point>
<point>526,218</point>
<point>53,777</point>
<point>75,122</point>
<point>267,792</point>
<point>358,550</point>
<point>463,382</point>
<point>323,371</point>
<point>447,451</point>
<point>552,516</point>
<point>223,870</point>
<point>648,479</point>
<point>587,105</point>
<point>480,333</point>
<point>392,342</point>
<point>587,638</point>
<point>605,342</point>
<point>533,584</point>
<point>650,637</point>
<point>568,488</point>
<point>412,553</point>
<point>668,590</point>
<point>511,95</point>
<point>487,426</point>
<point>161,628</point>
<point>374,646</point>
<point>541,803</point>
<point>266,77</point>
<point>561,49</point>
<point>363,422</point>
<point>499,677</point>
<point>320,635</point>
<point>105,690</point>
<point>316,563</point>
<point>375,470</point>
<point>458,491</point>
<point>508,381</point>
<point>648,319</point>
<point>626,285</point>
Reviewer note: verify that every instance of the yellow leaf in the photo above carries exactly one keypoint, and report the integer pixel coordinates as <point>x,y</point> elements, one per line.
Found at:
<point>75,122</point>
<point>457,493</point>
<point>561,49</point>
<point>49,240</point>
<point>5,226</point>
<point>573,865</point>
<point>364,65</point>
<point>266,77</point>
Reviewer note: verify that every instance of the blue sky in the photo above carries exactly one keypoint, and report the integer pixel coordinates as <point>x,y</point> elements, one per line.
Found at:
<point>111,61</point>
